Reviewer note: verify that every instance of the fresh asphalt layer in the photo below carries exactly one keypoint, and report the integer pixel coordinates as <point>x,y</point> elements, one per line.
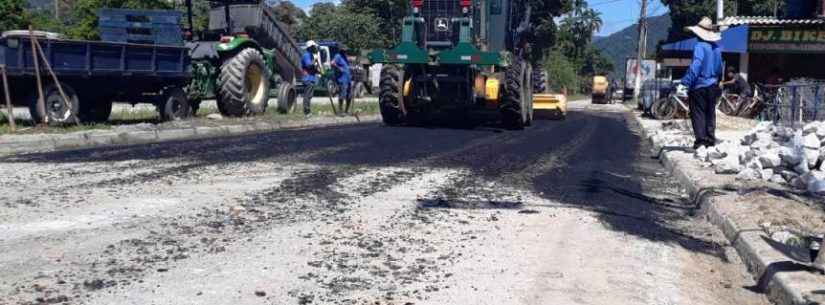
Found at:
<point>565,212</point>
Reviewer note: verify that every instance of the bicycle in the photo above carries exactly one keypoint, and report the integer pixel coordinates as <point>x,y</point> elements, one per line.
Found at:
<point>674,104</point>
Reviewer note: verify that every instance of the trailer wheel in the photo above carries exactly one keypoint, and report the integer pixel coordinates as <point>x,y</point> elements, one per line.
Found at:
<point>95,109</point>
<point>513,107</point>
<point>57,111</point>
<point>287,96</point>
<point>390,97</point>
<point>243,84</point>
<point>175,105</point>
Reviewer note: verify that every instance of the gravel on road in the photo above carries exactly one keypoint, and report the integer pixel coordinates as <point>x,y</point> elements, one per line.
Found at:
<point>565,212</point>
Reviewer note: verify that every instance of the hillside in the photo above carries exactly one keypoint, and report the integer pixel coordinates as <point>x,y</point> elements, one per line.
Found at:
<point>622,44</point>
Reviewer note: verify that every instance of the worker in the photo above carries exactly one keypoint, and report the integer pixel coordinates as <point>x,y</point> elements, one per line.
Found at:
<point>736,84</point>
<point>311,69</point>
<point>701,81</point>
<point>343,77</point>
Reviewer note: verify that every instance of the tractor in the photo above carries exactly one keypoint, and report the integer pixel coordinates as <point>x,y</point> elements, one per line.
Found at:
<point>244,56</point>
<point>462,58</point>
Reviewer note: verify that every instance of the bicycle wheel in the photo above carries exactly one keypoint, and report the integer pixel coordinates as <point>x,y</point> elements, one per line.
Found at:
<point>663,109</point>
<point>728,105</point>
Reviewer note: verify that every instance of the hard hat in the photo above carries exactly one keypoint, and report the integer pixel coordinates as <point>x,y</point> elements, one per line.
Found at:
<point>311,43</point>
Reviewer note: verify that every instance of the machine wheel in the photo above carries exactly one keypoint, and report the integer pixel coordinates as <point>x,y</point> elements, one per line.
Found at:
<point>513,107</point>
<point>175,105</point>
<point>539,81</point>
<point>243,84</point>
<point>529,90</point>
<point>390,97</point>
<point>57,111</point>
<point>286,98</point>
<point>95,109</point>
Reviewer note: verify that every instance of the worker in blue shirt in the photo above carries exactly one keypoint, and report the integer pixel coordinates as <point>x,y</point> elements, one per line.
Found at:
<point>343,78</point>
<point>310,68</point>
<point>702,82</point>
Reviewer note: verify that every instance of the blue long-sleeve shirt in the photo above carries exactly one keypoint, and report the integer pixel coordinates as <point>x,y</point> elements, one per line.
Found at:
<point>343,68</point>
<point>308,66</point>
<point>706,67</point>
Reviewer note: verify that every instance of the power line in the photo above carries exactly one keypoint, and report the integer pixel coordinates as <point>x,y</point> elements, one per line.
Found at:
<point>603,3</point>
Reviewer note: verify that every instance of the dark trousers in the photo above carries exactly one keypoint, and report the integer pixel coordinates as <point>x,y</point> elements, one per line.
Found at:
<point>309,91</point>
<point>702,103</point>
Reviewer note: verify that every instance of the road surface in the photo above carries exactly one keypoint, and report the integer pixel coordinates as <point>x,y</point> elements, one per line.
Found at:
<point>565,212</point>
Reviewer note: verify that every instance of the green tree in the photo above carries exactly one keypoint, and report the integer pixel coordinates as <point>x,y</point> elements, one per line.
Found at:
<point>14,15</point>
<point>545,31</point>
<point>388,14</point>
<point>357,30</point>
<point>290,15</point>
<point>561,72</point>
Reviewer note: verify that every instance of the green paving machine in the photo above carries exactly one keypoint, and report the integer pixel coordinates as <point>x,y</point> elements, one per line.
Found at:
<point>245,57</point>
<point>462,58</point>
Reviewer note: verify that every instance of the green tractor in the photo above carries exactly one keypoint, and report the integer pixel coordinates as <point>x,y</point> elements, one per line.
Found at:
<point>459,58</point>
<point>244,58</point>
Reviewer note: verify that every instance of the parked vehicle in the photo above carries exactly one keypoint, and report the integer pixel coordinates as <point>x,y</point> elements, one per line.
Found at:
<point>441,65</point>
<point>359,68</point>
<point>244,56</point>
<point>599,91</point>
<point>92,74</point>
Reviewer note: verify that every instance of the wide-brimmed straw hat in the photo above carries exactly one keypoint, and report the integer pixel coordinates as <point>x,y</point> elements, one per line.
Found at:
<point>705,30</point>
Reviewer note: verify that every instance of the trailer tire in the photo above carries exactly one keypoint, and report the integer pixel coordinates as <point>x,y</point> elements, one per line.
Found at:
<point>513,107</point>
<point>243,84</point>
<point>390,97</point>
<point>175,105</point>
<point>95,109</point>
<point>56,110</point>
<point>287,96</point>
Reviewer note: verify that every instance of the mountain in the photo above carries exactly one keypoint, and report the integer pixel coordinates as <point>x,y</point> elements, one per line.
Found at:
<point>622,44</point>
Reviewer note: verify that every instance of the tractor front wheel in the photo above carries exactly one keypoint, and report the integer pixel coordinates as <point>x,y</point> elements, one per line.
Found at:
<point>514,109</point>
<point>391,97</point>
<point>243,84</point>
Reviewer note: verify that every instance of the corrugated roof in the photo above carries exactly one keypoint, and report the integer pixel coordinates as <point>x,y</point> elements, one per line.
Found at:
<point>767,20</point>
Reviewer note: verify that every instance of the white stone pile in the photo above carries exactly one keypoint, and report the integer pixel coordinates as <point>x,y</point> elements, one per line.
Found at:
<point>774,153</point>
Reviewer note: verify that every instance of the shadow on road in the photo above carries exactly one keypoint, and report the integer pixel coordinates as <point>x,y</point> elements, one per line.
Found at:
<point>591,161</point>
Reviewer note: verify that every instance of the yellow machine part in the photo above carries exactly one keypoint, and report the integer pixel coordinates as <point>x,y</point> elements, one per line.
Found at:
<point>599,84</point>
<point>554,105</point>
<point>491,90</point>
<point>407,87</point>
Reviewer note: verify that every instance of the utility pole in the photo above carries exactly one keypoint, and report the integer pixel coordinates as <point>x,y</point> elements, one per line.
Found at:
<point>720,10</point>
<point>642,49</point>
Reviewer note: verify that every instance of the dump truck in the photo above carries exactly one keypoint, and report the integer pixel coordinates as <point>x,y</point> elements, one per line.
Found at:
<point>599,92</point>
<point>460,58</point>
<point>245,57</point>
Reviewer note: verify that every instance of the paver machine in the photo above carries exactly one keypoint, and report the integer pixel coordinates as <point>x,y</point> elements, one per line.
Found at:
<point>462,58</point>
<point>244,57</point>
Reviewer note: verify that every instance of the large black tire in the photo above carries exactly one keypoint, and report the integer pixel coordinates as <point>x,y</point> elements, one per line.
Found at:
<point>57,111</point>
<point>513,107</point>
<point>529,89</point>
<point>390,97</point>
<point>95,109</point>
<point>287,97</point>
<point>175,105</point>
<point>539,81</point>
<point>243,84</point>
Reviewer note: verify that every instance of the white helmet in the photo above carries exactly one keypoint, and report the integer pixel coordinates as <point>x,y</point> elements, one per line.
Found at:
<point>311,43</point>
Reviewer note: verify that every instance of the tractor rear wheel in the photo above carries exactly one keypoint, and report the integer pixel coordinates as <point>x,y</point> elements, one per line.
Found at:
<point>243,84</point>
<point>513,107</point>
<point>391,97</point>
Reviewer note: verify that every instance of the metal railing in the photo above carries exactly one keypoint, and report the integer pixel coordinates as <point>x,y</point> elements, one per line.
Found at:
<point>793,104</point>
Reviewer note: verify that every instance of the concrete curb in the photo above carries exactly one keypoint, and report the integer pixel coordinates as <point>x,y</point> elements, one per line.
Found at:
<point>765,263</point>
<point>100,138</point>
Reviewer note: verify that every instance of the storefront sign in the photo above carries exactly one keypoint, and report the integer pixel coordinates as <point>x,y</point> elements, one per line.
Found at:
<point>787,40</point>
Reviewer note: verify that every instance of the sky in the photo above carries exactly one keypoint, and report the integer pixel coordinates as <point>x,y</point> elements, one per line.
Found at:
<point>617,14</point>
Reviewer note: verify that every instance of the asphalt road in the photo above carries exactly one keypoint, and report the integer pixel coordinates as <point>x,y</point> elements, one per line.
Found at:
<point>565,212</point>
